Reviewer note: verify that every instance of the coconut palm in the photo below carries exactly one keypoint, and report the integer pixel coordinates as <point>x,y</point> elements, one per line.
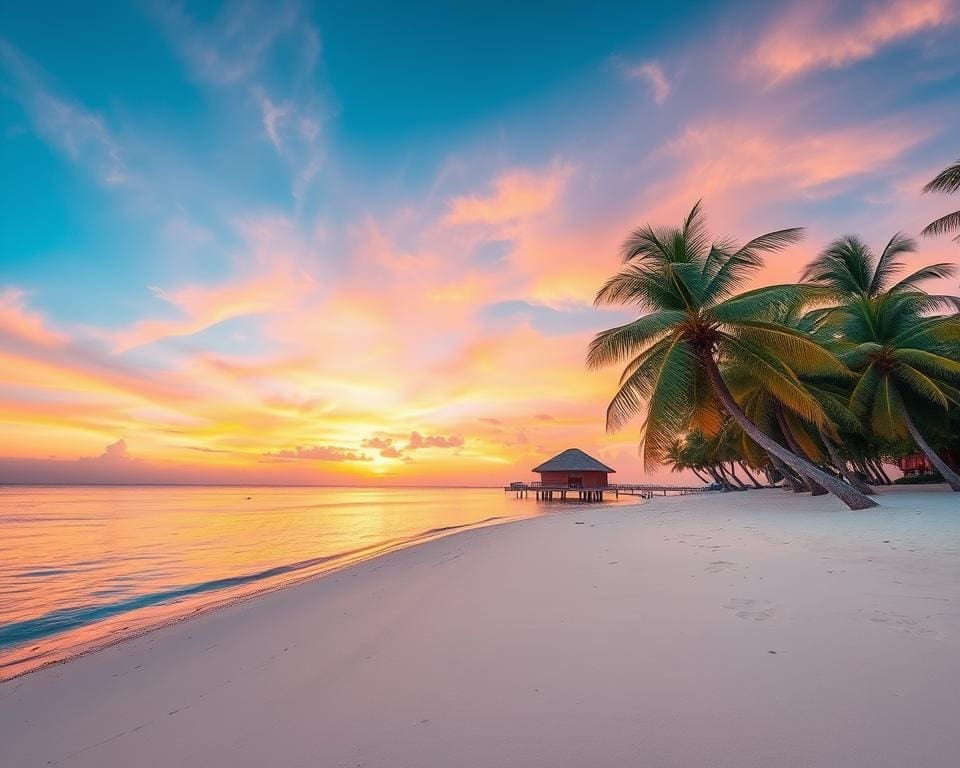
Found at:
<point>900,352</point>
<point>907,364</point>
<point>686,283</point>
<point>849,268</point>
<point>948,180</point>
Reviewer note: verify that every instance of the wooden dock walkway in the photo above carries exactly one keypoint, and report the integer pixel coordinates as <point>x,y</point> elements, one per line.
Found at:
<point>548,492</point>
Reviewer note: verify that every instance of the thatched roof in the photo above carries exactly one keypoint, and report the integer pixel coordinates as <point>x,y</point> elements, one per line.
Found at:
<point>573,460</point>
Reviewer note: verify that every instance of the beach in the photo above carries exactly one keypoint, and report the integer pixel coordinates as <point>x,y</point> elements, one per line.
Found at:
<point>744,629</point>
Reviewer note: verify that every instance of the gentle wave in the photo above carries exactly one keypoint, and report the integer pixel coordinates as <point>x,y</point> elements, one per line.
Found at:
<point>82,566</point>
<point>63,619</point>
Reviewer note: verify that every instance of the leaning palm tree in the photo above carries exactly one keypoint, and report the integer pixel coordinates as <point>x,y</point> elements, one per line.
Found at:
<point>693,321</point>
<point>907,362</point>
<point>948,180</point>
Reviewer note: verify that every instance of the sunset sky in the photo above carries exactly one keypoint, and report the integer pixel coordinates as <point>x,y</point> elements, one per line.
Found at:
<point>358,242</point>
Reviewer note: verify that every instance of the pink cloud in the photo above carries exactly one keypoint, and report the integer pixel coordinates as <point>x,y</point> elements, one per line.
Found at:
<point>116,451</point>
<point>418,441</point>
<point>275,281</point>
<point>806,38</point>
<point>319,453</point>
<point>649,72</point>
<point>723,155</point>
<point>517,194</point>
<point>17,320</point>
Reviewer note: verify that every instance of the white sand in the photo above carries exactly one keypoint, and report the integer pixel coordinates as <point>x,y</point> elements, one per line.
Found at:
<point>638,638</point>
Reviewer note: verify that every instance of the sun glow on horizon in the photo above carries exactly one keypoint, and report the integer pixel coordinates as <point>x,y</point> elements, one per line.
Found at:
<point>267,280</point>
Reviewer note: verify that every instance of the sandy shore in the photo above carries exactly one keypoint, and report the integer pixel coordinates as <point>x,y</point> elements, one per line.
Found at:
<point>749,629</point>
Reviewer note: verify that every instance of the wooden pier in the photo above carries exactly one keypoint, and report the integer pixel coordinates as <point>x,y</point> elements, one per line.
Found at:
<point>549,492</point>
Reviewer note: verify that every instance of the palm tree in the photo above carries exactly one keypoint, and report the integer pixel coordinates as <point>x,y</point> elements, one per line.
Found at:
<point>694,319</point>
<point>848,268</point>
<point>888,337</point>
<point>948,180</point>
<point>907,363</point>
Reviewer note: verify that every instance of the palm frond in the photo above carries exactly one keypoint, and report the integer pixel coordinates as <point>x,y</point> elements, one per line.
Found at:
<point>921,384</point>
<point>632,339</point>
<point>864,393</point>
<point>889,262</point>
<point>639,388</point>
<point>795,349</point>
<point>668,408</point>
<point>766,303</point>
<point>745,261</point>
<point>845,266</point>
<point>885,418</point>
<point>638,286</point>
<point>948,180</point>
<point>773,376</point>
<point>928,362</point>
<point>942,226</point>
<point>939,271</point>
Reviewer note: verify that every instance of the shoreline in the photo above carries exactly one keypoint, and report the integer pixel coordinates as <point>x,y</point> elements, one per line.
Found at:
<point>747,630</point>
<point>338,563</point>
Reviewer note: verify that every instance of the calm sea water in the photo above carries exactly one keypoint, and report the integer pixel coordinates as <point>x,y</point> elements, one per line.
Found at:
<point>81,565</point>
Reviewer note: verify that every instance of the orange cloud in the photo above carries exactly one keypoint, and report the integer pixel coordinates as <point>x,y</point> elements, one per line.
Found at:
<point>276,283</point>
<point>806,39</point>
<point>319,453</point>
<point>723,155</point>
<point>517,194</point>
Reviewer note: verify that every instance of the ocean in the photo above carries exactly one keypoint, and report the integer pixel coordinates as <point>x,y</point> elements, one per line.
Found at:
<point>83,565</point>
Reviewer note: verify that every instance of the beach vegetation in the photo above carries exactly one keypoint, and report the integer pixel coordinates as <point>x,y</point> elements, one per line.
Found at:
<point>817,383</point>
<point>695,324</point>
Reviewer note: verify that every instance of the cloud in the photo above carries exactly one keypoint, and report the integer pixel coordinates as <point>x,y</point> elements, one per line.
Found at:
<point>418,441</point>
<point>809,38</point>
<point>517,194</point>
<point>17,320</point>
<point>649,72</point>
<point>273,116</point>
<point>274,281</point>
<point>270,50</point>
<point>723,155</point>
<point>116,451</point>
<point>386,446</point>
<point>319,453</point>
<point>232,45</point>
<point>80,134</point>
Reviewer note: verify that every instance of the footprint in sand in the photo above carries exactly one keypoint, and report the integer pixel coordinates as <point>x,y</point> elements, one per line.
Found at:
<point>718,566</point>
<point>751,610</point>
<point>900,623</point>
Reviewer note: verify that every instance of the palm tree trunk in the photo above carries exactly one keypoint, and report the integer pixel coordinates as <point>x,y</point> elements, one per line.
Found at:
<point>743,466</point>
<point>700,477</point>
<point>718,480</point>
<point>881,472</point>
<point>863,471</point>
<point>841,465</point>
<point>849,496</point>
<point>815,488</point>
<point>789,476</point>
<point>726,477</point>
<point>952,478</point>
<point>736,478</point>
<point>872,474</point>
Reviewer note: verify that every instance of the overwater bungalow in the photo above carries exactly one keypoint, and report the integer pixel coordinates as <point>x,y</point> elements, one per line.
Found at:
<point>574,469</point>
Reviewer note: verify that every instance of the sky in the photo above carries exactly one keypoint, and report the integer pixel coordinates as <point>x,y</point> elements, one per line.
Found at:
<point>358,242</point>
